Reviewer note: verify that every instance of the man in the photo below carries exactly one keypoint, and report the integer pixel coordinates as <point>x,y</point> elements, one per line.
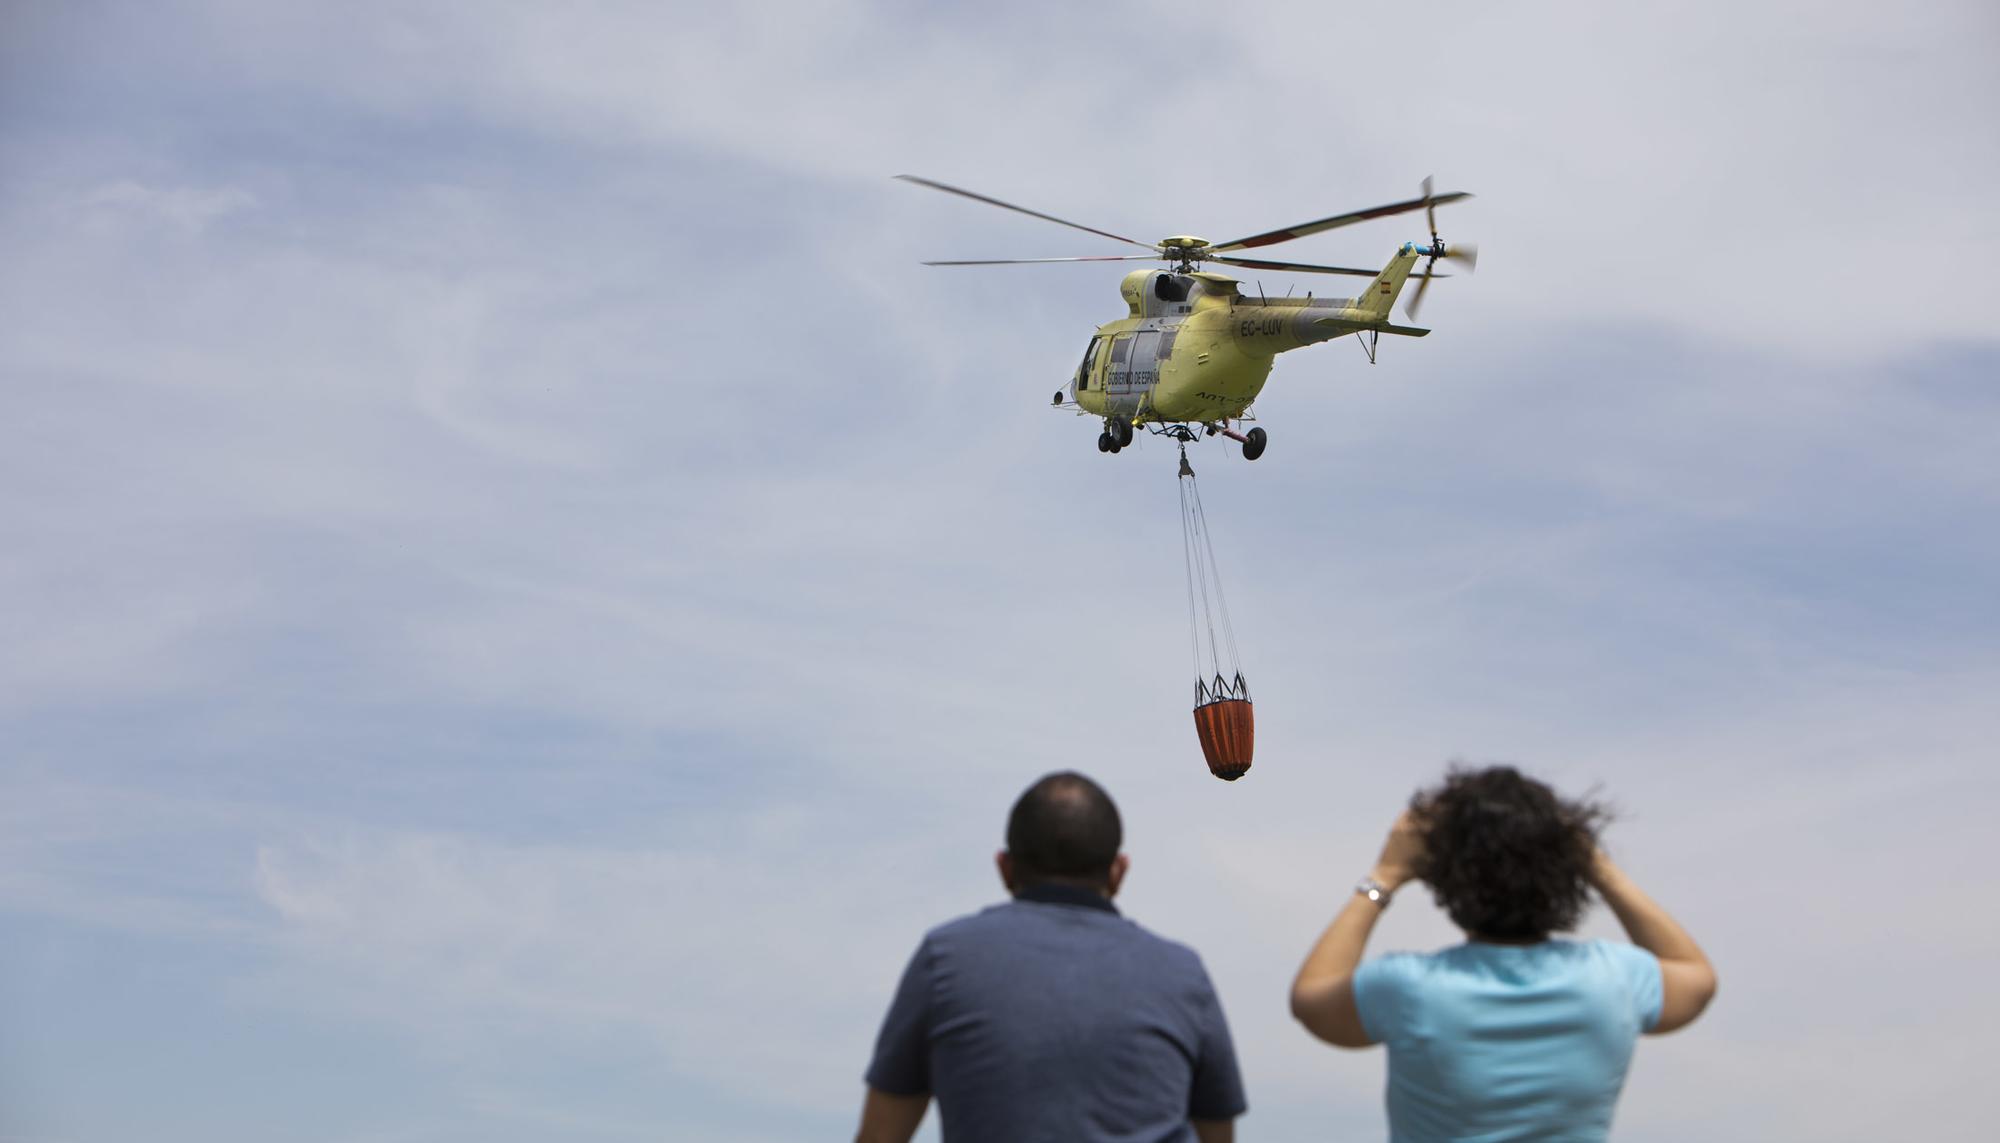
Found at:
<point>1053,1018</point>
<point>1514,1034</point>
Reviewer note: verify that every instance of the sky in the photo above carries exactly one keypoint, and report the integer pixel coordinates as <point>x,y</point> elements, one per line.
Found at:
<point>522,599</point>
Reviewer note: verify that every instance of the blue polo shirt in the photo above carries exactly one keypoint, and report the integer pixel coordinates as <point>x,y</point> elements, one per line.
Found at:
<point>1054,1018</point>
<point>1508,1042</point>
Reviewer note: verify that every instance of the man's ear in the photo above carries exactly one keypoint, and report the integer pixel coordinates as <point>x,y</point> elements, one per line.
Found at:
<point>1119,865</point>
<point>1004,862</point>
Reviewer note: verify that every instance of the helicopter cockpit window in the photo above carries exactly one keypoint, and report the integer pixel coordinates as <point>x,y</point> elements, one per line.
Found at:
<point>1083,370</point>
<point>1169,288</point>
<point>1120,347</point>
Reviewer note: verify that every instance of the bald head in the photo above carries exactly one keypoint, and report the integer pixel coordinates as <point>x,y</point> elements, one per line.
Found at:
<point>1064,829</point>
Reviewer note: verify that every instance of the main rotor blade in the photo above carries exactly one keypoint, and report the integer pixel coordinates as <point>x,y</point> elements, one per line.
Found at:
<point>1286,234</point>
<point>1308,267</point>
<point>1025,261</point>
<point>976,197</point>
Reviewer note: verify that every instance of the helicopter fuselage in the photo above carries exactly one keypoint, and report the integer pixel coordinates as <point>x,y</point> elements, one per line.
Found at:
<point>1194,349</point>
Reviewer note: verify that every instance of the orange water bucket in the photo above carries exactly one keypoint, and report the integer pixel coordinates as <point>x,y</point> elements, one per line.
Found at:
<point>1228,736</point>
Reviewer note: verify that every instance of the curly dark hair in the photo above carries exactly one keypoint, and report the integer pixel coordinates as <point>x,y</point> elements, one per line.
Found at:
<point>1504,855</point>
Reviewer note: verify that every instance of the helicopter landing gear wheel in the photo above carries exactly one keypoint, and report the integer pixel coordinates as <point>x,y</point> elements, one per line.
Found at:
<point>1254,442</point>
<point>1120,431</point>
<point>1105,443</point>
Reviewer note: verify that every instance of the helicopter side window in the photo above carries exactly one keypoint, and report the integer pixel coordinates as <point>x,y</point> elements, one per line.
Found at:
<point>1083,370</point>
<point>1166,344</point>
<point>1120,347</point>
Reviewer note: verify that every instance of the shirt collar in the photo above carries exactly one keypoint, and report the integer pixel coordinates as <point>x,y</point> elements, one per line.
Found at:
<point>1066,895</point>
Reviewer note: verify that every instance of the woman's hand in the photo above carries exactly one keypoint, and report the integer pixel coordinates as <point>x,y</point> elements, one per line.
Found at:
<point>1402,854</point>
<point>1602,871</point>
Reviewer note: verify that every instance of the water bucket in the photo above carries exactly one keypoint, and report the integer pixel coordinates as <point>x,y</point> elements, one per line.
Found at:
<point>1228,736</point>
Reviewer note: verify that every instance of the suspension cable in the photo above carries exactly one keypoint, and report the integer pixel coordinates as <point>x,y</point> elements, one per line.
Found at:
<point>1204,579</point>
<point>1187,562</point>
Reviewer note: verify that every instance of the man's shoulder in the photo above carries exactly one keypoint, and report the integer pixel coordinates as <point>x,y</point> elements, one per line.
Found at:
<point>1102,927</point>
<point>1168,949</point>
<point>970,924</point>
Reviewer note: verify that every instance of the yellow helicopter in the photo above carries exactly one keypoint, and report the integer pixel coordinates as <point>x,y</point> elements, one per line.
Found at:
<point>1194,350</point>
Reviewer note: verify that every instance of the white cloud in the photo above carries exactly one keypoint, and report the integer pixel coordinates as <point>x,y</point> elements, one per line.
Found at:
<point>1765,174</point>
<point>503,541</point>
<point>188,209</point>
<point>737,958</point>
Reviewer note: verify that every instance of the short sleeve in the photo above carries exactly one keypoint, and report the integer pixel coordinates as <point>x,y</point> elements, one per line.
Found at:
<point>1217,1089</point>
<point>902,1063</point>
<point>1639,971</point>
<point>1379,988</point>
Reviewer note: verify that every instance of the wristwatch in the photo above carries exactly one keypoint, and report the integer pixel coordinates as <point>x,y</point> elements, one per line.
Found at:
<point>1373,890</point>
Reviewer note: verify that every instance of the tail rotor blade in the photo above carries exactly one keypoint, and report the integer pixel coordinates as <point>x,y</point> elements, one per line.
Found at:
<point>1430,211</point>
<point>1417,299</point>
<point>1465,253</point>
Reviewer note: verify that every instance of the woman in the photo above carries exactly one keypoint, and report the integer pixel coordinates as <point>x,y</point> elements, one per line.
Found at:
<point>1513,1034</point>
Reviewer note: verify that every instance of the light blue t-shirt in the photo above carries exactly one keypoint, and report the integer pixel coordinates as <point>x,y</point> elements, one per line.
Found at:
<point>1503,1042</point>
